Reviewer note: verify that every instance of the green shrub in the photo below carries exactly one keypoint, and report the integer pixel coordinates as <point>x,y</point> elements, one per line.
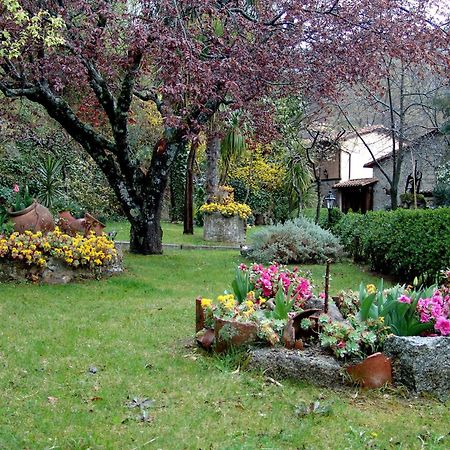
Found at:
<point>403,243</point>
<point>296,241</point>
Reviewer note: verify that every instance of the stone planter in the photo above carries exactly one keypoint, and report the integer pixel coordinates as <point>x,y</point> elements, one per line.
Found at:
<point>422,364</point>
<point>34,218</point>
<point>56,272</point>
<point>374,372</point>
<point>223,229</point>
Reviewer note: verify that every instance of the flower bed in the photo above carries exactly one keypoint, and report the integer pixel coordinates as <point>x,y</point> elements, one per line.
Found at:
<point>35,255</point>
<point>273,306</point>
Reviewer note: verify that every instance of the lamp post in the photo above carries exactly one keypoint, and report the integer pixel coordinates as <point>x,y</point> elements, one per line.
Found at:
<point>329,201</point>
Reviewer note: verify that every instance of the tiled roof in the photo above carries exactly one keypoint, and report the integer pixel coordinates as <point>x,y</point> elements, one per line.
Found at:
<point>367,130</point>
<point>360,182</point>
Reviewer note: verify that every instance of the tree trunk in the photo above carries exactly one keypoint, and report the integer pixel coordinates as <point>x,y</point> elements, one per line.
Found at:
<point>319,201</point>
<point>188,219</point>
<point>212,165</point>
<point>146,236</point>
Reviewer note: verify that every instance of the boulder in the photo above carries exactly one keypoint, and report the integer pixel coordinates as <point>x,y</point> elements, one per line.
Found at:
<point>310,365</point>
<point>422,364</point>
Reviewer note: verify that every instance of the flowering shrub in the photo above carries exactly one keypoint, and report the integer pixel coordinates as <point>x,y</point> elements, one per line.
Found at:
<point>76,251</point>
<point>436,309</point>
<point>267,280</point>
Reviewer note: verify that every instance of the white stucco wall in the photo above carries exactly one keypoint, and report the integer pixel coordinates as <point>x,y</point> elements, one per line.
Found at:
<point>355,154</point>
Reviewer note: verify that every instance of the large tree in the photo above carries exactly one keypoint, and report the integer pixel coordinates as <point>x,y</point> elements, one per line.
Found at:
<point>189,58</point>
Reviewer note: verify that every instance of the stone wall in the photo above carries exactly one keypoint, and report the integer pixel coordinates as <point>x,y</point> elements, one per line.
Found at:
<point>223,229</point>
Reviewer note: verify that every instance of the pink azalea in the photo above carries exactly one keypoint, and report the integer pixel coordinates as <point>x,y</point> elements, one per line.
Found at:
<point>443,326</point>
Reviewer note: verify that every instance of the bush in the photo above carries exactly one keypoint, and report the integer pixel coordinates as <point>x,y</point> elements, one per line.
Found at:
<point>296,241</point>
<point>403,243</point>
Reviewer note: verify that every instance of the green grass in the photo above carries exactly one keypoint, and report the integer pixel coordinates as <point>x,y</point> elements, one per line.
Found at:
<point>172,233</point>
<point>135,329</point>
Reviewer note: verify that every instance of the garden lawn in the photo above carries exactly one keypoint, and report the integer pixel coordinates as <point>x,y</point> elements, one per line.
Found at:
<point>134,332</point>
<point>172,233</point>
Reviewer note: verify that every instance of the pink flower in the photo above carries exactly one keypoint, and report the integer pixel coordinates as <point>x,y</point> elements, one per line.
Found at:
<point>443,326</point>
<point>242,266</point>
<point>322,295</point>
<point>340,344</point>
<point>404,299</point>
<point>16,188</point>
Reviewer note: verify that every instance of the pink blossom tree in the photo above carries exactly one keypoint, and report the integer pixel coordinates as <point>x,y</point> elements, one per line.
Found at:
<point>189,58</point>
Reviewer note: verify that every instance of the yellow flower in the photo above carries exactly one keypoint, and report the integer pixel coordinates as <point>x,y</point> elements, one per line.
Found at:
<point>371,289</point>
<point>206,302</point>
<point>248,303</point>
<point>262,300</point>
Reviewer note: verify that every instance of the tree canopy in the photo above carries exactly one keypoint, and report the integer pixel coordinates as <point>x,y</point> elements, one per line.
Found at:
<point>189,58</point>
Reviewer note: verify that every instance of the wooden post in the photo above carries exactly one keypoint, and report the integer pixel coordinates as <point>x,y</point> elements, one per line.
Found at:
<point>327,286</point>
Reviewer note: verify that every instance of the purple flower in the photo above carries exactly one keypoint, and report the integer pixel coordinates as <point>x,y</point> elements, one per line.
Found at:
<point>404,299</point>
<point>443,326</point>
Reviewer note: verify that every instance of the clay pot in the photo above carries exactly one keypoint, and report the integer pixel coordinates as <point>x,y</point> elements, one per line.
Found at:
<point>293,334</point>
<point>199,315</point>
<point>232,333</point>
<point>34,218</point>
<point>374,372</point>
<point>72,226</point>
<point>93,224</point>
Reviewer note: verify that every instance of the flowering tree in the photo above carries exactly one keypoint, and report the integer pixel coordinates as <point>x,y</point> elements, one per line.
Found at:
<point>188,58</point>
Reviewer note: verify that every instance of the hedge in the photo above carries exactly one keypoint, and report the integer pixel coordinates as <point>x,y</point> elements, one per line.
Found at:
<point>404,243</point>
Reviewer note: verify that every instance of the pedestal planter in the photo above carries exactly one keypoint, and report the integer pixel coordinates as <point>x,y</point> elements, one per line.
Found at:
<point>374,372</point>
<point>34,218</point>
<point>223,229</point>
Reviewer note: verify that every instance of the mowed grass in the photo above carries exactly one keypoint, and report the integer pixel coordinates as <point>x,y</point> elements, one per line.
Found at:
<point>136,330</point>
<point>172,233</point>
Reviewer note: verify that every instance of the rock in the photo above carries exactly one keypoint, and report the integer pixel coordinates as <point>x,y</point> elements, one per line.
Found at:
<point>333,310</point>
<point>422,364</point>
<point>309,365</point>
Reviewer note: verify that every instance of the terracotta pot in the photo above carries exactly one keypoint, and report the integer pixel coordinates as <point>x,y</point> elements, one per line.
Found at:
<point>93,224</point>
<point>34,218</point>
<point>374,372</point>
<point>199,315</point>
<point>72,226</point>
<point>293,334</point>
<point>231,333</point>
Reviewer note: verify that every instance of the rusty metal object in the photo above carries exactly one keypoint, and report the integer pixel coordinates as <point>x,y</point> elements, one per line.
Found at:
<point>35,217</point>
<point>293,332</point>
<point>374,372</point>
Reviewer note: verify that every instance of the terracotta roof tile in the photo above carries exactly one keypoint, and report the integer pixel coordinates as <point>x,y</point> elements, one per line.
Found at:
<point>360,182</point>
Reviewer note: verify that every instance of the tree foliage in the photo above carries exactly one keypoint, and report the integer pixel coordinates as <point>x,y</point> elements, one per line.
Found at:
<point>189,58</point>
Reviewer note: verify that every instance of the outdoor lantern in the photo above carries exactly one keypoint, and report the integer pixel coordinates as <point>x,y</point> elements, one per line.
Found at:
<point>330,199</point>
